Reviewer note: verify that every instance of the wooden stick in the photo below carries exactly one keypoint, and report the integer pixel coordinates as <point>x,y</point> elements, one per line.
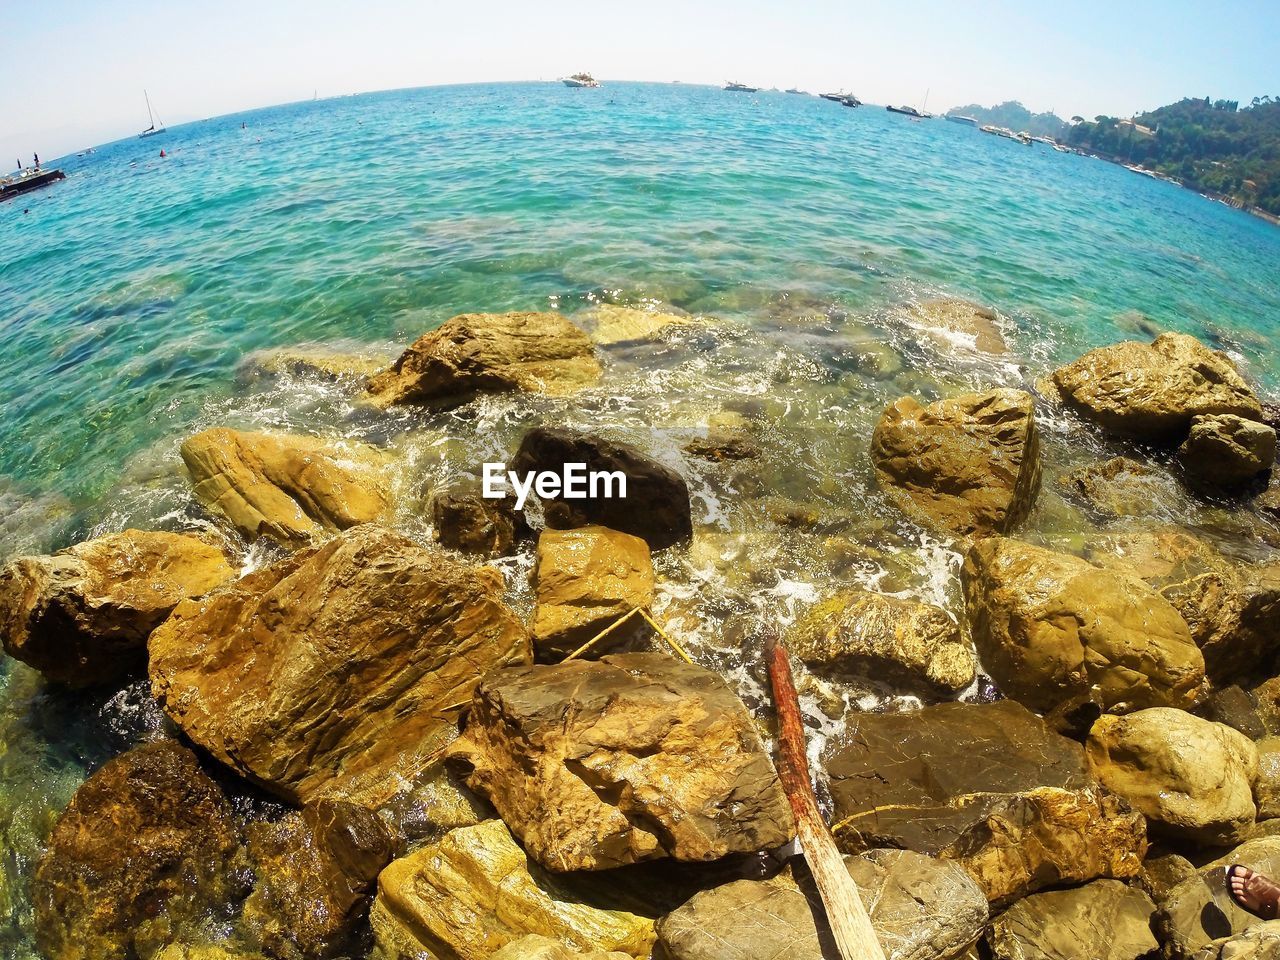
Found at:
<point>850,924</point>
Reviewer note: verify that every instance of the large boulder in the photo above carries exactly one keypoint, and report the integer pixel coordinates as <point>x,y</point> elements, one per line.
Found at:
<point>584,579</point>
<point>1199,910</point>
<point>919,779</point>
<point>82,616</point>
<point>897,639</point>
<point>952,323</point>
<point>475,892</point>
<point>464,520</point>
<point>1054,630</point>
<point>597,764</point>
<point>287,487</point>
<point>1192,778</point>
<point>921,909</point>
<point>147,849</point>
<point>316,870</point>
<point>655,508</point>
<point>1103,920</point>
<point>1260,942</point>
<point>968,465</point>
<point>1151,392</point>
<point>339,670</point>
<point>1232,608</point>
<point>1118,488</point>
<point>1049,837</point>
<point>478,353</point>
<point>1227,453</point>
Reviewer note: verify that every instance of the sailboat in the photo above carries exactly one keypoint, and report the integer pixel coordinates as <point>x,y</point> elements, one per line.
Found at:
<point>152,130</point>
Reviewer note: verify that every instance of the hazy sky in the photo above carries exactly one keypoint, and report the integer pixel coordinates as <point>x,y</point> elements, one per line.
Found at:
<point>74,70</point>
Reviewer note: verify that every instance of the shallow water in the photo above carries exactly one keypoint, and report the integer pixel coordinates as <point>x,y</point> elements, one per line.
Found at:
<point>794,227</point>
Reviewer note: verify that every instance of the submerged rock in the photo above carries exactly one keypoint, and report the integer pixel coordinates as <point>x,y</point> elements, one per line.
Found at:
<point>147,849</point>
<point>612,325</point>
<point>1226,452</point>
<point>888,638</point>
<point>478,353</point>
<point>285,487</point>
<point>1192,778</point>
<point>337,671</point>
<point>476,891</point>
<point>1199,911</point>
<point>82,616</point>
<point>464,520</point>
<point>921,909</point>
<point>598,764</point>
<point>316,870</point>
<point>1103,920</point>
<point>584,579</point>
<point>953,323</point>
<point>656,506</point>
<point>968,465</point>
<point>1231,608</point>
<point>536,947</point>
<point>314,361</point>
<point>1151,392</point>
<point>918,780</point>
<point>1119,487</point>
<point>1053,630</point>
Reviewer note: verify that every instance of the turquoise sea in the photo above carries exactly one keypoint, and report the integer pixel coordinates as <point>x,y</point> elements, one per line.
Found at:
<point>136,293</point>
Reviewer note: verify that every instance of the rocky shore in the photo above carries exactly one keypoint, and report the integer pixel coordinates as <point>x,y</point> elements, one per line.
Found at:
<point>371,748</point>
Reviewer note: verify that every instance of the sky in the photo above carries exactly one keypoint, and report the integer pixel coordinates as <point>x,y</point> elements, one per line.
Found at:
<point>74,71</point>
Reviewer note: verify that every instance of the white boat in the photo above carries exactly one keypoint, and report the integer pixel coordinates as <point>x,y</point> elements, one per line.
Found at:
<point>580,80</point>
<point>739,87</point>
<point>960,118</point>
<point>153,129</point>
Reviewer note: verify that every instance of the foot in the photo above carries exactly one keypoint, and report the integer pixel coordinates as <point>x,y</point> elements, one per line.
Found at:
<point>1253,892</point>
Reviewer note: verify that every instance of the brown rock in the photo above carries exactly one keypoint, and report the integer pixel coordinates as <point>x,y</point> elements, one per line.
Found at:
<point>967,465</point>
<point>464,520</point>
<point>475,892</point>
<point>1152,392</point>
<point>585,579</point>
<point>82,616</point>
<point>656,506</point>
<point>147,849</point>
<point>1103,920</point>
<point>1199,911</point>
<point>1226,452</point>
<point>920,779</point>
<point>337,671</point>
<point>1267,787</point>
<point>286,487</point>
<point>1231,608</point>
<point>612,325</point>
<point>315,361</point>
<point>953,323</point>
<point>1192,778</point>
<point>316,870</point>
<point>920,908</point>
<point>597,764</point>
<point>536,947</point>
<point>1258,942</point>
<point>478,353</point>
<point>1119,487</point>
<point>887,638</point>
<point>1052,629</point>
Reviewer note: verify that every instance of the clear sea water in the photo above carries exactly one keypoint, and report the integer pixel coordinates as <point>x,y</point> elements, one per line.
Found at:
<point>135,292</point>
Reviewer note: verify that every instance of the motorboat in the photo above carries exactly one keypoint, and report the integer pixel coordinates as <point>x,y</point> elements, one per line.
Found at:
<point>580,80</point>
<point>960,118</point>
<point>736,87</point>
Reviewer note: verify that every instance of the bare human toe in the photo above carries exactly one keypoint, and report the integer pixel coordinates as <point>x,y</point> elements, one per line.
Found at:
<point>1253,892</point>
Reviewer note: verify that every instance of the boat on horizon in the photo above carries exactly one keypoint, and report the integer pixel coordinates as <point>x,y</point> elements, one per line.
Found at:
<point>736,87</point>
<point>851,101</point>
<point>836,97</point>
<point>28,179</point>
<point>961,118</point>
<point>152,130</point>
<point>580,80</point>
<point>908,111</point>
<point>803,93</point>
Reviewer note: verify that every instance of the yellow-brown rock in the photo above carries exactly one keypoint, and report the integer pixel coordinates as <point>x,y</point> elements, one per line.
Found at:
<point>478,353</point>
<point>638,756</point>
<point>476,891</point>
<point>967,465</point>
<point>337,671</point>
<point>1152,391</point>
<point>286,487</point>
<point>584,579</point>
<point>537,947</point>
<point>612,325</point>
<point>1054,630</point>
<point>951,322</point>
<point>884,637</point>
<point>82,616</point>
<point>1192,778</point>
